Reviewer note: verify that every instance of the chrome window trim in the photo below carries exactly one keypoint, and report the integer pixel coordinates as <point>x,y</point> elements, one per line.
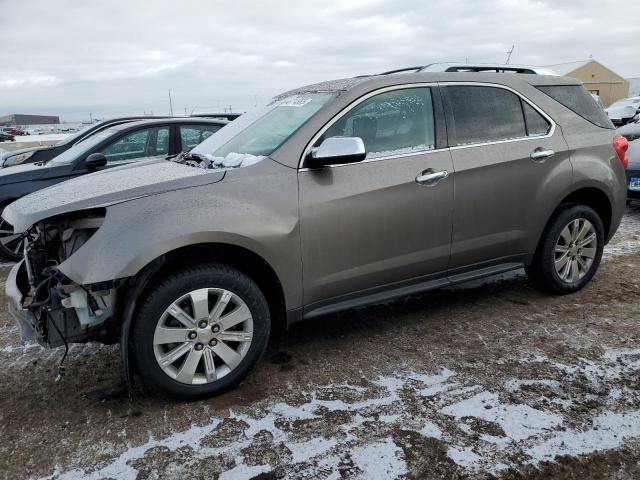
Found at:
<point>424,152</point>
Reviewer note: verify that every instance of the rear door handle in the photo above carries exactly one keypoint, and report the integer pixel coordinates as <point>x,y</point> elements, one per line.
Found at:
<point>430,177</point>
<point>540,155</point>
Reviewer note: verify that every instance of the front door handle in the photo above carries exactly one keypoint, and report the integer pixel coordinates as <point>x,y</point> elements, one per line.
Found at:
<point>540,154</point>
<point>430,177</point>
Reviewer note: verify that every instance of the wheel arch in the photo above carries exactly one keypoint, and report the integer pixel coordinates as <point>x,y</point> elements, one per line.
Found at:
<point>241,258</point>
<point>589,195</point>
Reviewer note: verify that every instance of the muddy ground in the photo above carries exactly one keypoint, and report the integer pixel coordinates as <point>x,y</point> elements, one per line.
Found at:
<point>490,380</point>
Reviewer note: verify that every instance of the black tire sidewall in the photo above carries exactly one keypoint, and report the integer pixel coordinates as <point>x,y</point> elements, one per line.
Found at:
<point>167,291</point>
<point>546,272</point>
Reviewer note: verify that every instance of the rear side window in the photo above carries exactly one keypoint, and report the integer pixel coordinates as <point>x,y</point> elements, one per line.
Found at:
<point>485,114</point>
<point>390,123</point>
<point>491,114</point>
<point>577,99</point>
<point>536,124</point>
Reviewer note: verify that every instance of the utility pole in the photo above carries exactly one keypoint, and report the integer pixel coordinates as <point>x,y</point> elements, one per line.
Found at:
<point>170,103</point>
<point>509,54</point>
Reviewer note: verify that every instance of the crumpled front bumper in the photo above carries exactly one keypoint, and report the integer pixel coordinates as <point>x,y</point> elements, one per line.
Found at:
<point>24,318</point>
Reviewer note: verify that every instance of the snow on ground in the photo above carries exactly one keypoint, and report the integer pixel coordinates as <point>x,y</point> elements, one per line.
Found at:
<point>47,137</point>
<point>486,430</point>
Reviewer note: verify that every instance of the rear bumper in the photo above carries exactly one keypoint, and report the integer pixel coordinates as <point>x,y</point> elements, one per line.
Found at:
<point>25,320</point>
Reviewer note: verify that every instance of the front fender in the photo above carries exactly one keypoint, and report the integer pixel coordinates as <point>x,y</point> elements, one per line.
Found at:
<point>262,219</point>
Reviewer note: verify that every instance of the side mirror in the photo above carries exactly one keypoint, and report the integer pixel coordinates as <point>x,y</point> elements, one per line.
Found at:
<point>337,150</point>
<point>95,161</point>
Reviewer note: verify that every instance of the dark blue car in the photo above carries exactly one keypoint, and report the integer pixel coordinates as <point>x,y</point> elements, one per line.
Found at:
<point>116,145</point>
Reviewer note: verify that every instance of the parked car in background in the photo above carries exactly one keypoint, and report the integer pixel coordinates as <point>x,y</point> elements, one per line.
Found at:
<point>6,137</point>
<point>15,131</point>
<point>332,196</point>
<point>633,170</point>
<point>43,154</point>
<point>116,145</point>
<point>631,131</point>
<point>623,111</point>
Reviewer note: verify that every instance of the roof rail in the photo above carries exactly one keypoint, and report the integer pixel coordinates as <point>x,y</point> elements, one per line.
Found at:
<point>400,70</point>
<point>477,67</point>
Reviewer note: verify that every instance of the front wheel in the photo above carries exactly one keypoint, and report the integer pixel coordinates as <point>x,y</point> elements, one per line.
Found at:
<point>200,331</point>
<point>570,250</point>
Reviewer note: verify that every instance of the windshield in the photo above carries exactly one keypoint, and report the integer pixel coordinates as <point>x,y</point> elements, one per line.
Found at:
<point>257,134</point>
<point>69,156</point>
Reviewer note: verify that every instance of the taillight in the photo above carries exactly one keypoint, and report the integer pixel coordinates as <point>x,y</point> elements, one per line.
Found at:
<point>620,144</point>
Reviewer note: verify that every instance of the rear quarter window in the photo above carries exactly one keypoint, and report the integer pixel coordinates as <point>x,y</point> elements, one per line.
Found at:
<point>578,100</point>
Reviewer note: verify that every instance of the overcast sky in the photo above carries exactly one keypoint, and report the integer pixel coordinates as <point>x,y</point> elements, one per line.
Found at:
<point>121,57</point>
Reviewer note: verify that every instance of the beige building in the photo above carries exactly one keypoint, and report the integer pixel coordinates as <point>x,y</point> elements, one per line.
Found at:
<point>597,78</point>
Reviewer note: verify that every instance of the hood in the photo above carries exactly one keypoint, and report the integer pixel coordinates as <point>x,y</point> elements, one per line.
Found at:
<point>630,130</point>
<point>22,173</point>
<point>11,153</point>
<point>621,111</point>
<point>105,188</point>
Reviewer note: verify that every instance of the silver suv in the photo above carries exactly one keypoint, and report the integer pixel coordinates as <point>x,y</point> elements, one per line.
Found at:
<point>333,196</point>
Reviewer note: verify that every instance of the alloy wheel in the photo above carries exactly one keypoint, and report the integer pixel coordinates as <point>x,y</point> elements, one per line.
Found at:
<point>575,250</point>
<point>203,336</point>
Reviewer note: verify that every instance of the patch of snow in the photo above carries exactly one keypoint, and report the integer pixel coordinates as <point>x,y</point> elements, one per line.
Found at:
<point>609,431</point>
<point>401,151</point>
<point>432,430</point>
<point>379,461</point>
<point>465,457</point>
<point>518,421</point>
<point>315,447</point>
<point>232,160</point>
<point>244,471</point>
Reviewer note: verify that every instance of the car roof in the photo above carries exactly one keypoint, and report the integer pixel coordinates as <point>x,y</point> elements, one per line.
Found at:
<point>512,80</point>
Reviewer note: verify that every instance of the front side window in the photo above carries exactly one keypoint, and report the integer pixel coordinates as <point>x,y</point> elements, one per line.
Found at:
<point>390,123</point>
<point>192,135</point>
<point>142,144</point>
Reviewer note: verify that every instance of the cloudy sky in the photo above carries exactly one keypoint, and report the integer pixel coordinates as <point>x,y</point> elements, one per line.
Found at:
<point>121,57</point>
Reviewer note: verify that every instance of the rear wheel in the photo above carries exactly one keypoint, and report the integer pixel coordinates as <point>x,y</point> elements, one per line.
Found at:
<point>10,243</point>
<point>200,332</point>
<point>570,250</point>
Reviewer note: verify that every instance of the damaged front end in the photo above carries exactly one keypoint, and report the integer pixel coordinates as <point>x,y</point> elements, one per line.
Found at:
<point>49,307</point>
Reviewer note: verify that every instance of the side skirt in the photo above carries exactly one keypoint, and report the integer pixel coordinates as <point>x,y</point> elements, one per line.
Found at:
<point>396,290</point>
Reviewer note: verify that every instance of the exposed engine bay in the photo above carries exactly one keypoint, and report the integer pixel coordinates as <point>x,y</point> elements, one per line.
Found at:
<point>63,311</point>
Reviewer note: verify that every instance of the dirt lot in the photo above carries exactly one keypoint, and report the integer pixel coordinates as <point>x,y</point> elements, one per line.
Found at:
<point>494,379</point>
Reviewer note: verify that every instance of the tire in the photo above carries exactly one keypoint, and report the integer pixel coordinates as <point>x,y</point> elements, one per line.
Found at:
<point>154,320</point>
<point>560,244</point>
<point>9,250</point>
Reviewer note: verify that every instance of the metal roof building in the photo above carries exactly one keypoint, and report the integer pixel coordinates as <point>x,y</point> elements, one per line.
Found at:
<point>597,78</point>
<point>22,119</point>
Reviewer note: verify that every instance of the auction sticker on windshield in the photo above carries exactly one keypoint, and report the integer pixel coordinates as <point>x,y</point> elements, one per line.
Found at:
<point>634,184</point>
